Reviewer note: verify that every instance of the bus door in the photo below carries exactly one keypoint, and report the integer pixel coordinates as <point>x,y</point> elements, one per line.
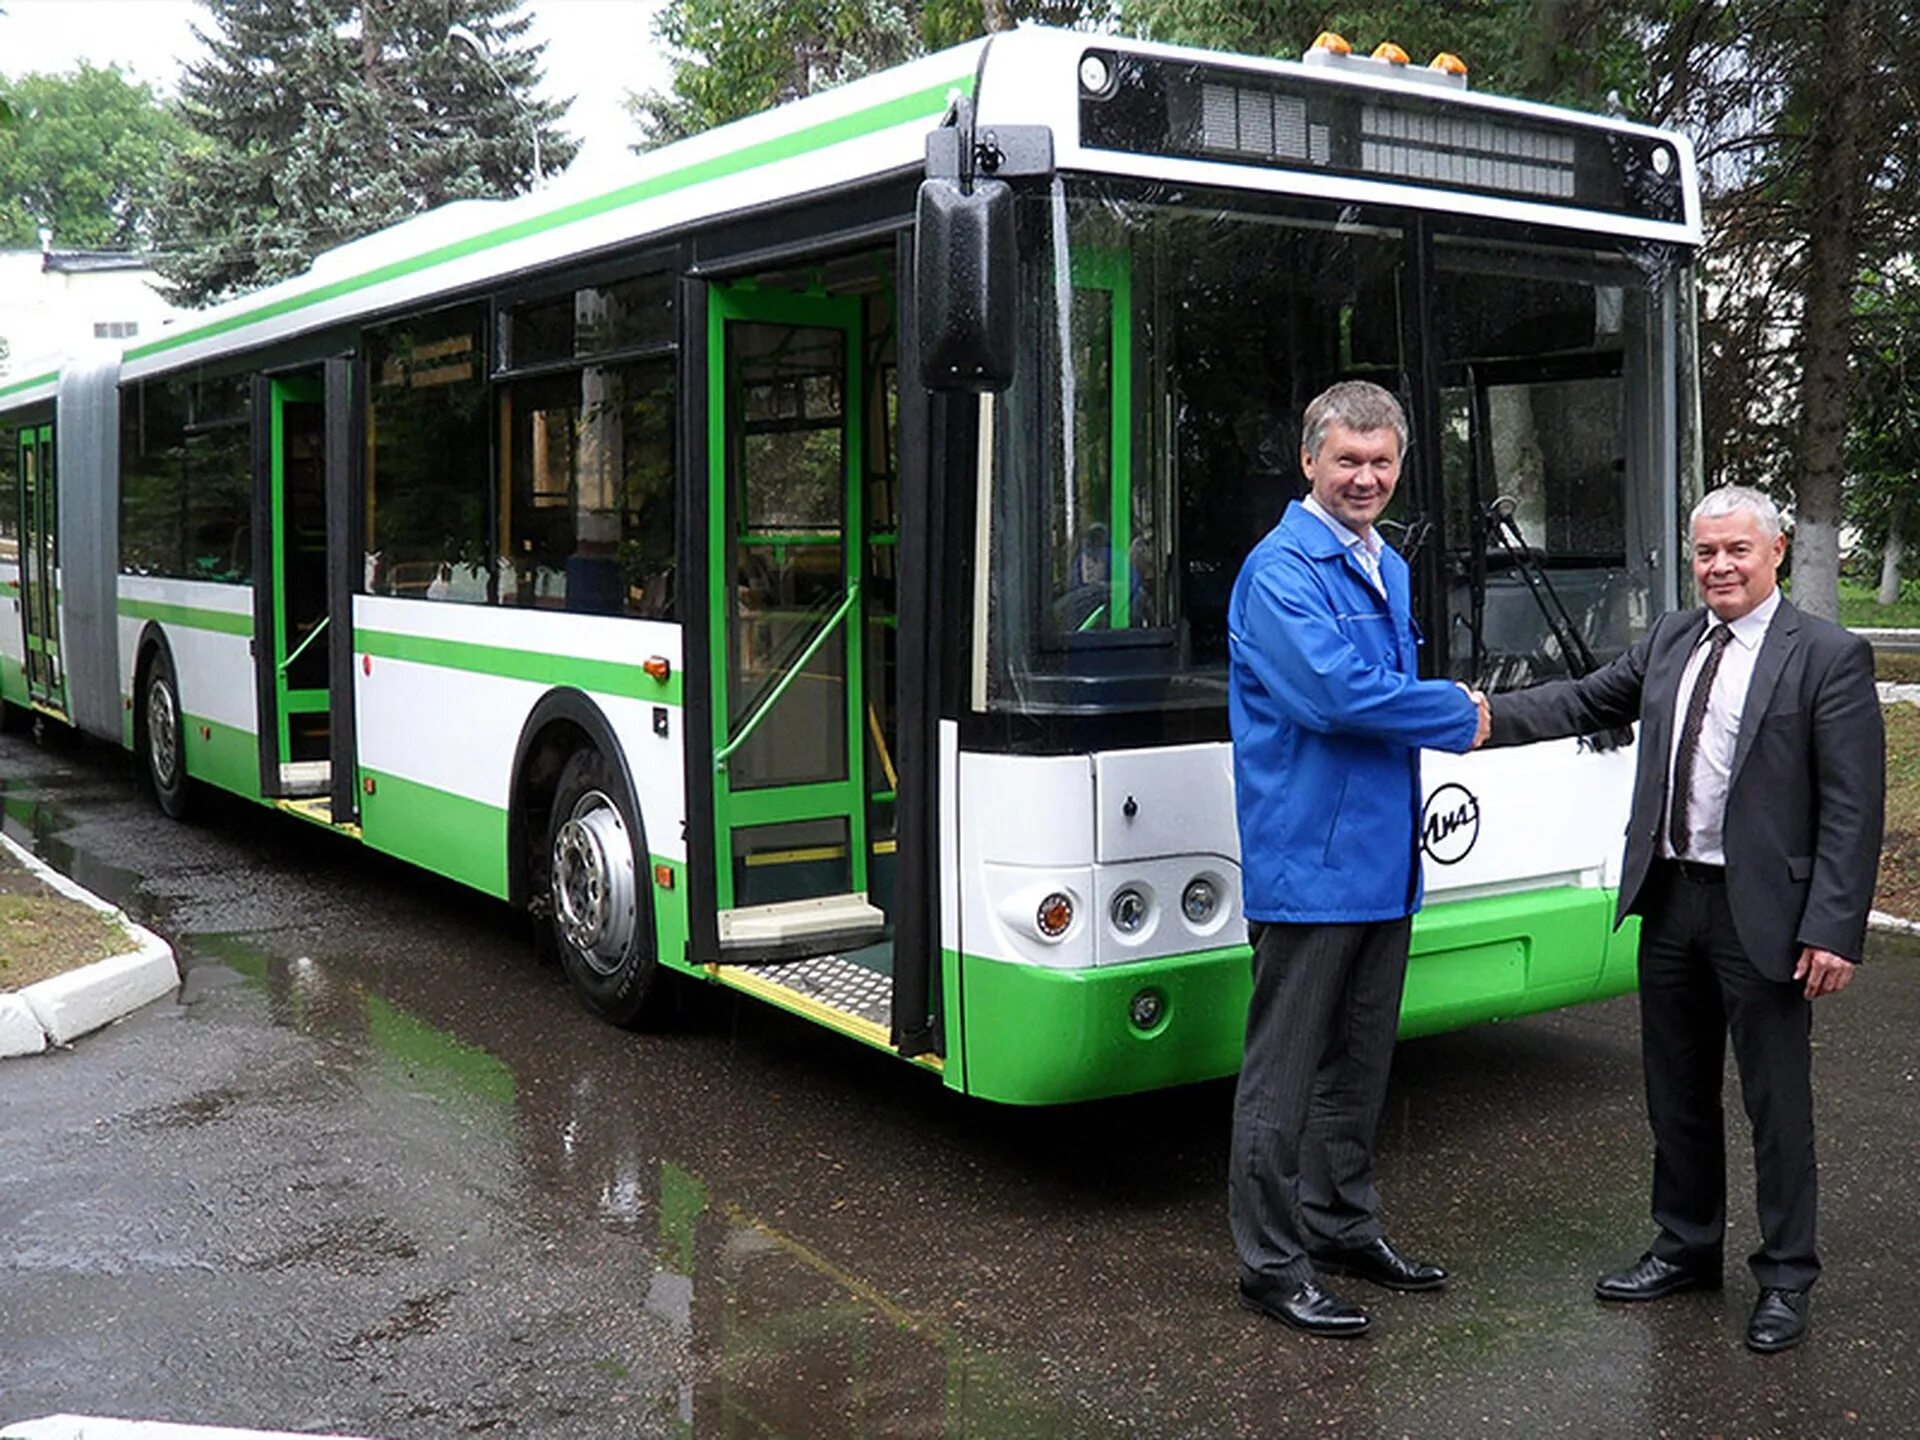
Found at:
<point>40,569</point>
<point>789,629</point>
<point>296,618</point>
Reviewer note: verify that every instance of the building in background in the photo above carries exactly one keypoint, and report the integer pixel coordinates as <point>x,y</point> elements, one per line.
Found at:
<point>57,303</point>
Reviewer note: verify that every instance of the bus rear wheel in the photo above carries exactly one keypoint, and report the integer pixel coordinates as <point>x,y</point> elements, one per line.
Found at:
<point>595,911</point>
<point>166,754</point>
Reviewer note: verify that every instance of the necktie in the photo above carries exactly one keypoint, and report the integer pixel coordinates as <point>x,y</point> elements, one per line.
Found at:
<point>1679,830</point>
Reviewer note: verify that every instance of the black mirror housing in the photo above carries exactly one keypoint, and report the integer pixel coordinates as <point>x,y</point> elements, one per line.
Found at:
<point>964,270</point>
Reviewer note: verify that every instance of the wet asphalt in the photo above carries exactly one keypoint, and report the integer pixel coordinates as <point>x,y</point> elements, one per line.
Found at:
<point>375,1172</point>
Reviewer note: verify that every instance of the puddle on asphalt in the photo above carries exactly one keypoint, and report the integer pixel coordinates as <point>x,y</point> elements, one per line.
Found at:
<point>785,1341</point>
<point>36,824</point>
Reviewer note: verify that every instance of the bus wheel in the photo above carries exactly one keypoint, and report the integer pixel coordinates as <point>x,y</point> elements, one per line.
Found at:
<point>166,747</point>
<point>595,898</point>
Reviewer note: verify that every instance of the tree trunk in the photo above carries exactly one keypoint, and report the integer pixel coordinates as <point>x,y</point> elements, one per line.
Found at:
<point>996,15</point>
<point>1835,179</point>
<point>1894,553</point>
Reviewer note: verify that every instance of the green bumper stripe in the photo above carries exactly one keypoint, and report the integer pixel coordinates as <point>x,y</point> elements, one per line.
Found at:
<point>222,622</point>
<point>884,116</point>
<point>448,834</point>
<point>1038,1036</point>
<point>606,677</point>
<point>220,755</point>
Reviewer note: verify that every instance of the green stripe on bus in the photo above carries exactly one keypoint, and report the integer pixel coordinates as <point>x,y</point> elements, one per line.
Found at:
<point>462,839</point>
<point>605,677</point>
<point>13,680</point>
<point>884,116</point>
<point>19,385</point>
<point>221,622</point>
<point>221,755</point>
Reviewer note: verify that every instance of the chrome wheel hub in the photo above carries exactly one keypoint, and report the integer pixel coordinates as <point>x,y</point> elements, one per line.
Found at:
<point>163,734</point>
<point>593,882</point>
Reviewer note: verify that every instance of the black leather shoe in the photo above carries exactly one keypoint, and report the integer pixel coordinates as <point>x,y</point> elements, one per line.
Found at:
<point>1781,1319</point>
<point>1306,1307</point>
<point>1379,1262</point>
<point>1651,1278</point>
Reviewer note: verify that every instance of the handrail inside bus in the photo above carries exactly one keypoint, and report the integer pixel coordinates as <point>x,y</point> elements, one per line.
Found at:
<point>301,648</point>
<point>773,697</point>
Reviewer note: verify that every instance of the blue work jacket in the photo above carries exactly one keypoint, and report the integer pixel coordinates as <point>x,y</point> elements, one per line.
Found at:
<point>1329,717</point>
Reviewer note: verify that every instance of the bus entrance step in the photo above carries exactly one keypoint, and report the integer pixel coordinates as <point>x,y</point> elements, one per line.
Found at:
<point>799,929</point>
<point>305,777</point>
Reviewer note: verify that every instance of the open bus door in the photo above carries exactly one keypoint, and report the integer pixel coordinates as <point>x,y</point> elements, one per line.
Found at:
<point>788,627</point>
<point>302,619</point>
<point>40,570</point>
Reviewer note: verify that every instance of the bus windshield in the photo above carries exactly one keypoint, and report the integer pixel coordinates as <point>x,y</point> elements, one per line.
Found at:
<point>1171,339</point>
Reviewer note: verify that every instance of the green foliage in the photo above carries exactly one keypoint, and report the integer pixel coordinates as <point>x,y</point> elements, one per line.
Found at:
<point>315,121</point>
<point>739,57</point>
<point>1883,444</point>
<point>84,156</point>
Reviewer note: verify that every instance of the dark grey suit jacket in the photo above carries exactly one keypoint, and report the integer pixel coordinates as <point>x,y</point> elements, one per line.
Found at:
<point>1807,796</point>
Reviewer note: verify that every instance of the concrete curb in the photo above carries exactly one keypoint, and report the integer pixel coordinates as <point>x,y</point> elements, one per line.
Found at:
<point>56,1011</point>
<point>95,1427</point>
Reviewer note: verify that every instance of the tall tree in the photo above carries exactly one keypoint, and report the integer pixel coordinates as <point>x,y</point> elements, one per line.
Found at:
<point>738,57</point>
<point>315,121</point>
<point>84,157</point>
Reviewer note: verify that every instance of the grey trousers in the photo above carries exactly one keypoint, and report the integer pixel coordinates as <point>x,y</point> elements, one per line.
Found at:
<point>1320,1035</point>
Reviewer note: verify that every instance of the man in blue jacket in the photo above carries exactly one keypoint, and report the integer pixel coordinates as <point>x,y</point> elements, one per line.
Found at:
<point>1329,716</point>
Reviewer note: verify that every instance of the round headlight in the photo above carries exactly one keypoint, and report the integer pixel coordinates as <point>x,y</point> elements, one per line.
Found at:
<point>1129,911</point>
<point>1094,74</point>
<point>1054,915</point>
<point>1199,900</point>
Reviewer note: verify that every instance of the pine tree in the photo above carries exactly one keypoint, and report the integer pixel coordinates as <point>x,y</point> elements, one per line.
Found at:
<point>315,121</point>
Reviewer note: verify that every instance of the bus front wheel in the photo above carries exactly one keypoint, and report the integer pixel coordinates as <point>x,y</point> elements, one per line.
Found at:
<point>595,910</point>
<point>166,753</point>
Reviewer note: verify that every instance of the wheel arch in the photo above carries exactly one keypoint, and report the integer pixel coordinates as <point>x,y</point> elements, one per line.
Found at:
<point>559,724</point>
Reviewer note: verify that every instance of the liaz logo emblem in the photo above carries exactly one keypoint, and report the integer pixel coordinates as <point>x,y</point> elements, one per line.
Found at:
<point>1450,825</point>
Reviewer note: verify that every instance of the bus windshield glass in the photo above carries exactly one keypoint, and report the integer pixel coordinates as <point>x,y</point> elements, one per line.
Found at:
<point>1171,339</point>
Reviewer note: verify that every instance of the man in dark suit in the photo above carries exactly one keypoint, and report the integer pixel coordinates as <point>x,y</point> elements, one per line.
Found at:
<point>1751,856</point>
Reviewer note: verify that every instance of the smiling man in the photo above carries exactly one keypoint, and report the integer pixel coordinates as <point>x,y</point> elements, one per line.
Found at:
<point>1329,715</point>
<point>1751,856</point>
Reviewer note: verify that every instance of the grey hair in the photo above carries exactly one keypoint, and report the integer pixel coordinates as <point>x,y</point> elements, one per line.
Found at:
<point>1360,405</point>
<point>1738,500</point>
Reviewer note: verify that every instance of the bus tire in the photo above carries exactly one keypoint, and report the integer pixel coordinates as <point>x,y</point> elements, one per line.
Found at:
<point>165,750</point>
<point>597,919</point>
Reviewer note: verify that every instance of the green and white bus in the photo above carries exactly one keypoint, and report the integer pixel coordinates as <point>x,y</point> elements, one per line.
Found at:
<point>802,565</point>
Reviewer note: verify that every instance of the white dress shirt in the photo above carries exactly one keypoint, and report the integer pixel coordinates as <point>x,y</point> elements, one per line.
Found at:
<point>1364,548</point>
<point>1713,761</point>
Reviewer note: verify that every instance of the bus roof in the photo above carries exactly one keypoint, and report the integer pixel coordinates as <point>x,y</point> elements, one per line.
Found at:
<point>859,132</point>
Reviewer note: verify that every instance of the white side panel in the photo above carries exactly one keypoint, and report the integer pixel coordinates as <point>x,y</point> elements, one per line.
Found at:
<point>457,729</point>
<point>13,641</point>
<point>214,669</point>
<point>950,887</point>
<point>1026,830</point>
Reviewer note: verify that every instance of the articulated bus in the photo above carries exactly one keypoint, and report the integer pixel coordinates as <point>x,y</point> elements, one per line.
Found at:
<point>801,564</point>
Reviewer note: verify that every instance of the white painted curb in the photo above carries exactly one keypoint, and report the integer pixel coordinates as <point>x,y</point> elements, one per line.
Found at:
<point>94,1427</point>
<point>56,1011</point>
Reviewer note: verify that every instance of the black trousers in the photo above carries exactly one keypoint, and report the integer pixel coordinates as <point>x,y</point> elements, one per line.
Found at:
<point>1697,987</point>
<point>1320,1034</point>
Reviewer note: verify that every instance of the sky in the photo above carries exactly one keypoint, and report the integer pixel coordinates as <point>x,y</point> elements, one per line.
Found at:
<point>597,50</point>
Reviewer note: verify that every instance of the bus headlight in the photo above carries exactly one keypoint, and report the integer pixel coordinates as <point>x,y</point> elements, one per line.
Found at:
<point>1055,915</point>
<point>1128,911</point>
<point>1199,900</point>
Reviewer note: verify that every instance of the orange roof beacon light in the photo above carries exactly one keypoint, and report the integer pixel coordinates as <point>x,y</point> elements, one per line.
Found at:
<point>1448,63</point>
<point>1332,42</point>
<point>1391,53</point>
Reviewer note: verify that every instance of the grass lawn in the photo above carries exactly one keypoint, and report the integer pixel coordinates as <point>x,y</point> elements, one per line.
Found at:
<point>1899,892</point>
<point>1859,608</point>
<point>43,933</point>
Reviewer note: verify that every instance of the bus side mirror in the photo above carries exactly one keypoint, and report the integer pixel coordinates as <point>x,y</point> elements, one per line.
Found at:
<point>963,284</point>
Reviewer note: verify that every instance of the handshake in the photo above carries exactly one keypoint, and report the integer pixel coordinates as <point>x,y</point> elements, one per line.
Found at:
<point>1479,698</point>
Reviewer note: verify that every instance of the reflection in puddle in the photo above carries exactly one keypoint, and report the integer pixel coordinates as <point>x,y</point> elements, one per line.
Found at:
<point>31,821</point>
